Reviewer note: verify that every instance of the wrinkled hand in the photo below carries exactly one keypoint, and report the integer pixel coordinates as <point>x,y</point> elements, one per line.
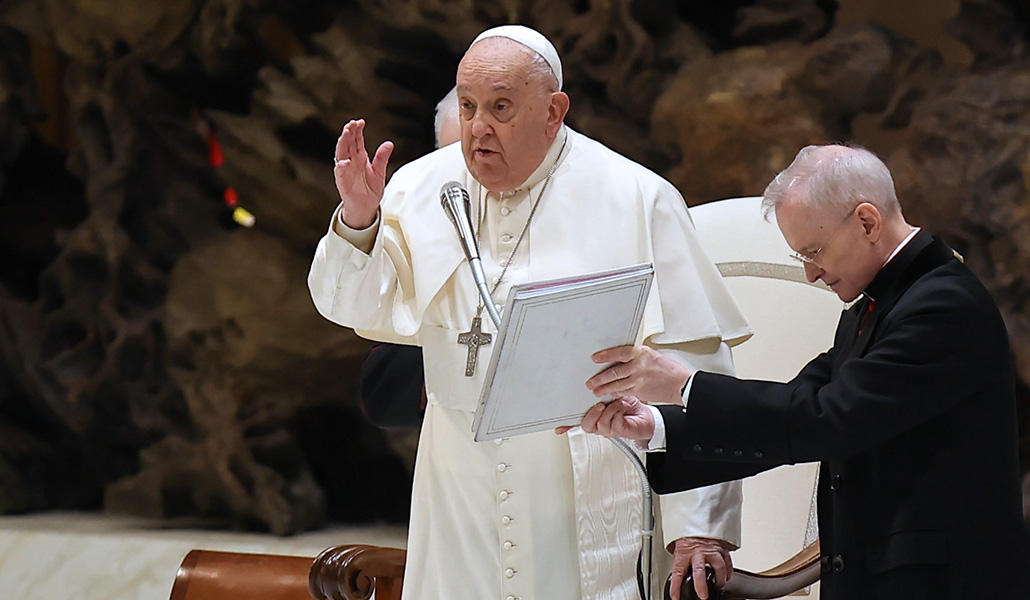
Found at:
<point>359,181</point>
<point>623,417</point>
<point>695,553</point>
<point>642,372</point>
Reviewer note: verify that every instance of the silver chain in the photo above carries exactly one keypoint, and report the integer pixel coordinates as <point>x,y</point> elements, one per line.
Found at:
<point>525,229</point>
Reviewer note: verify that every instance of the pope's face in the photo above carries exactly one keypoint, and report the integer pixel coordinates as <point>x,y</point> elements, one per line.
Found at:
<point>507,115</point>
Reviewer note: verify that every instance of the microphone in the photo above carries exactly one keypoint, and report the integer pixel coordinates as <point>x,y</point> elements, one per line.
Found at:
<point>455,200</point>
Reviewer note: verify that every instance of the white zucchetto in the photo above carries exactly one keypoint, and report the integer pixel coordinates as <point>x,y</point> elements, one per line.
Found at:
<point>530,38</point>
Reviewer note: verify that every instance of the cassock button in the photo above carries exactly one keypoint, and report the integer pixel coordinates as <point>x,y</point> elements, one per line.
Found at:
<point>505,211</point>
<point>506,238</point>
<point>738,453</point>
<point>508,545</point>
<point>697,447</point>
<point>498,441</point>
<point>502,468</point>
<point>717,450</point>
<point>509,573</point>
<point>838,563</point>
<point>824,564</point>
<point>504,494</point>
<point>835,482</point>
<point>759,454</point>
<point>505,519</point>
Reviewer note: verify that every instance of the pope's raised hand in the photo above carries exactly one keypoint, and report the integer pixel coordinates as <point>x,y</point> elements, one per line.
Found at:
<point>359,181</point>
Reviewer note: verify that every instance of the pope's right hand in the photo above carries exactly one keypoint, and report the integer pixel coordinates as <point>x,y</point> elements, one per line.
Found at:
<point>359,181</point>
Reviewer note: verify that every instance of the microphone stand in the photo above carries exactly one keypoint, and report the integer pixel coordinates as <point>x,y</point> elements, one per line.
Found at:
<point>647,529</point>
<point>455,201</point>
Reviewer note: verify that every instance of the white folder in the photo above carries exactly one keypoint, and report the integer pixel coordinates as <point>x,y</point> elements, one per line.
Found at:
<point>549,330</point>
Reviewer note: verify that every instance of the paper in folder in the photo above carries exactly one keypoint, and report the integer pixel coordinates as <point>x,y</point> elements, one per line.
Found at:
<point>538,370</point>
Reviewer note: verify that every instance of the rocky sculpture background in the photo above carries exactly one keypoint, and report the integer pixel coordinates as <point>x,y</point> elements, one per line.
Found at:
<point>158,359</point>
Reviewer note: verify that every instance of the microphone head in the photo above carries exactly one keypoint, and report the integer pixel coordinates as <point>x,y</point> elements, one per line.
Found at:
<point>455,200</point>
<point>452,188</point>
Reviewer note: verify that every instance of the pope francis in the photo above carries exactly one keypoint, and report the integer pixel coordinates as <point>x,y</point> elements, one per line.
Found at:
<point>537,516</point>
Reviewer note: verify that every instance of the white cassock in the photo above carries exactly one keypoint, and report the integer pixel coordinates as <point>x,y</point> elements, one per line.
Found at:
<point>537,516</point>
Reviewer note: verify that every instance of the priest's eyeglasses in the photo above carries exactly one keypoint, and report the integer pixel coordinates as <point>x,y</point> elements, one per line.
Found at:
<point>812,256</point>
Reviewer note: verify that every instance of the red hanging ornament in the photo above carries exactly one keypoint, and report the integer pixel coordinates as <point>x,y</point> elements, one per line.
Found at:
<point>230,197</point>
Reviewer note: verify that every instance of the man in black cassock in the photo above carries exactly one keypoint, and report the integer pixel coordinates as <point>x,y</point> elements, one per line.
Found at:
<point>911,412</point>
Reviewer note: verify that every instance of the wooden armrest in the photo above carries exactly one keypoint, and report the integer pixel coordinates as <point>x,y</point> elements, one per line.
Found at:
<point>798,571</point>
<point>352,572</point>
<point>339,573</point>
<point>211,575</point>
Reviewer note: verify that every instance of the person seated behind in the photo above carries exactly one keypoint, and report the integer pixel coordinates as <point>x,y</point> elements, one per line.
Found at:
<point>392,391</point>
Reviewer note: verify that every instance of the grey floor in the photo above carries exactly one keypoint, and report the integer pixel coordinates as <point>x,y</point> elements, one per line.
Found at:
<point>100,557</point>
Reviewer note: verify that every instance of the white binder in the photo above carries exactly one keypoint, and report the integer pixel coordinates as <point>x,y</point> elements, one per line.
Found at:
<point>549,330</point>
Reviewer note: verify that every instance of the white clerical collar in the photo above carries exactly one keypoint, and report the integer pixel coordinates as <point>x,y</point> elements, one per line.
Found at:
<point>903,243</point>
<point>549,160</point>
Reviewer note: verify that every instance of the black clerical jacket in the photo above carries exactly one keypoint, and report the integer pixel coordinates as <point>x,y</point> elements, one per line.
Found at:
<point>391,388</point>
<point>912,415</point>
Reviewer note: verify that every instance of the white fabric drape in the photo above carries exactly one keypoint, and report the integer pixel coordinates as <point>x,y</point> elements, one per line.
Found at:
<point>535,516</point>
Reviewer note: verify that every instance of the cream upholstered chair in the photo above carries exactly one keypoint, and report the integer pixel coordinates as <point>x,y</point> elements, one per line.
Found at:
<point>793,322</point>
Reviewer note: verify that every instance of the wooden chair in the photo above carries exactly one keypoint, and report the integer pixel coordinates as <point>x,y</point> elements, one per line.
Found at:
<point>798,573</point>
<point>210,575</point>
<point>352,572</point>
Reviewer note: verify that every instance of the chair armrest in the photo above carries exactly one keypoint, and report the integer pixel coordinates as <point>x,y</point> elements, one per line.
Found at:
<point>352,572</point>
<point>212,575</point>
<point>799,571</point>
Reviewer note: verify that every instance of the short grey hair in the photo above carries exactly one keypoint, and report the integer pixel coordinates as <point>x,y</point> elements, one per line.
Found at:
<point>541,71</point>
<point>841,176</point>
<point>446,110</point>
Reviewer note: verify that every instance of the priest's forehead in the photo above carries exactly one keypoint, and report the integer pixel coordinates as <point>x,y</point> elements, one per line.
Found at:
<point>506,57</point>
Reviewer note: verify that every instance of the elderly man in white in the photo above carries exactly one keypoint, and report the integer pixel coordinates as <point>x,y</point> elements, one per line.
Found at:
<point>537,516</point>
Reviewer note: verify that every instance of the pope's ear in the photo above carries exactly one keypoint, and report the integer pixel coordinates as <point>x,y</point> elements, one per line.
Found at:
<point>559,108</point>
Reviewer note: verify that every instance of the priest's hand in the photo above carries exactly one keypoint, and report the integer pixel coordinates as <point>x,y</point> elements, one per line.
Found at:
<point>694,554</point>
<point>640,371</point>
<point>359,181</point>
<point>623,417</point>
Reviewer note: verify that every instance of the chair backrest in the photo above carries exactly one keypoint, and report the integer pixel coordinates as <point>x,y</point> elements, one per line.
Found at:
<point>793,322</point>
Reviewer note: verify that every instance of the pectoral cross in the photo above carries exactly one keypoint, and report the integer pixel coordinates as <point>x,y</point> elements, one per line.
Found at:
<point>474,338</point>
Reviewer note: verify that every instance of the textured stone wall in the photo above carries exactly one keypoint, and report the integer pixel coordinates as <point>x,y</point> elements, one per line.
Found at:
<point>158,359</point>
